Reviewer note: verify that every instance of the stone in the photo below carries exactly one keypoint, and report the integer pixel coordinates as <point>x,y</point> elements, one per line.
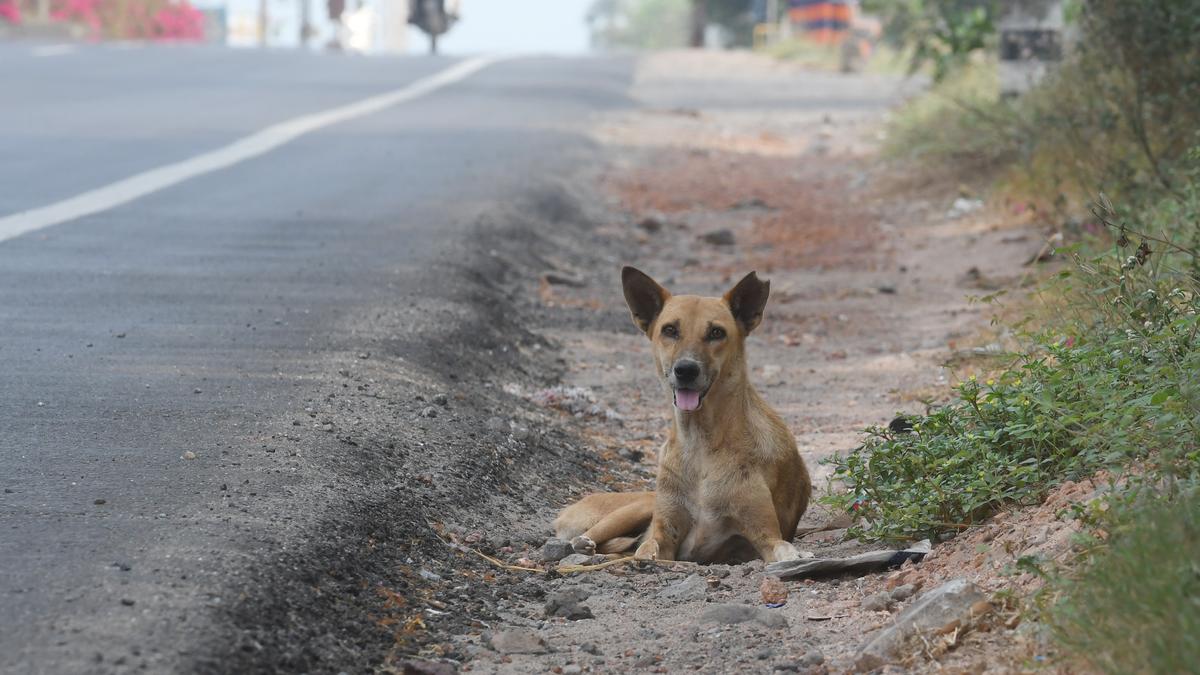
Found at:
<point>517,641</point>
<point>877,602</point>
<point>902,593</point>
<point>575,559</point>
<point>563,279</point>
<point>773,591</point>
<point>572,669</point>
<point>556,549</point>
<point>941,609</point>
<point>651,224</point>
<point>812,658</point>
<point>421,667</point>
<point>566,604</point>
<point>722,237</point>
<point>590,648</point>
<point>694,587</point>
<point>731,614</point>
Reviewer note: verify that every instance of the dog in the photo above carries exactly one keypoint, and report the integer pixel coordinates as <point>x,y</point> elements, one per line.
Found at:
<point>732,485</point>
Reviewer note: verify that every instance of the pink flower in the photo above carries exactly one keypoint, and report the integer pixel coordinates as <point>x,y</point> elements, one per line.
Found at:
<point>10,11</point>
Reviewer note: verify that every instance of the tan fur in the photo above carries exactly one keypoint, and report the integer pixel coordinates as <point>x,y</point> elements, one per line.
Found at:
<point>731,482</point>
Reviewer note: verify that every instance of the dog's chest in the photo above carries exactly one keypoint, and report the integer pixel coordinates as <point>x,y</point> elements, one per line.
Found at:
<point>710,500</point>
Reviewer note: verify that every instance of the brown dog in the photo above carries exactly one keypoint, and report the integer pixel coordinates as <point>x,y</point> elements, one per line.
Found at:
<point>731,483</point>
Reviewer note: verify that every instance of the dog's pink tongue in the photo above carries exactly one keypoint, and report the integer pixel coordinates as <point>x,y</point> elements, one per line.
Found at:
<point>686,399</point>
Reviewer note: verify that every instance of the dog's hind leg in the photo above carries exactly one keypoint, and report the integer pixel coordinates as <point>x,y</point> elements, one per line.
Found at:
<point>630,519</point>
<point>596,519</point>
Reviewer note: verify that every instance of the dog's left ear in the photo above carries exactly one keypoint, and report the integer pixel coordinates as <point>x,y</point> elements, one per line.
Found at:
<point>747,299</point>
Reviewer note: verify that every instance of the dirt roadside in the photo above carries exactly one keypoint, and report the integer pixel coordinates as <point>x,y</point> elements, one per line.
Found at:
<point>509,381</point>
<point>737,163</point>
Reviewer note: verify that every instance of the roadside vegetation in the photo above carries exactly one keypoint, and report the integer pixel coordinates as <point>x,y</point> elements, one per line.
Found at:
<point>1106,382</point>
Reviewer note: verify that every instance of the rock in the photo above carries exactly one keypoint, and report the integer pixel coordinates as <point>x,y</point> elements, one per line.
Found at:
<point>751,203</point>
<point>731,614</point>
<point>189,455</point>
<point>590,648</point>
<point>420,667</point>
<point>556,549</point>
<point>962,206</point>
<point>566,604</point>
<point>764,653</point>
<point>429,412</point>
<point>128,602</point>
<point>100,502</point>
<point>651,224</point>
<point>812,658</point>
<point>563,279</point>
<point>496,424</point>
<point>773,591</point>
<point>517,641</point>
<point>572,669</point>
<point>631,455</point>
<point>575,559</point>
<point>694,587</point>
<point>441,399</point>
<point>647,661</point>
<point>938,610</point>
<point>722,237</point>
<point>902,593</point>
<point>886,289</point>
<point>877,602</point>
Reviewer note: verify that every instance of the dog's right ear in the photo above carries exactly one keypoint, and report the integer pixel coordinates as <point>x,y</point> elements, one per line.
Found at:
<point>644,297</point>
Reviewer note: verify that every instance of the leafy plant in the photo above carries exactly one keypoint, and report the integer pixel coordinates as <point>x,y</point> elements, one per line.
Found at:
<point>942,33</point>
<point>1136,606</point>
<point>1113,384</point>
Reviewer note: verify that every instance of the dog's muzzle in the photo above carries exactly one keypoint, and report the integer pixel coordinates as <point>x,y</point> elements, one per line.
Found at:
<point>686,380</point>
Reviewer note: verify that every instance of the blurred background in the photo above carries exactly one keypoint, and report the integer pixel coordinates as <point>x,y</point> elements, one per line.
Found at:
<point>468,26</point>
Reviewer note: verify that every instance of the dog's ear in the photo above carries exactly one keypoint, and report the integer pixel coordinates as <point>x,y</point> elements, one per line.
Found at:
<point>644,297</point>
<point>747,299</point>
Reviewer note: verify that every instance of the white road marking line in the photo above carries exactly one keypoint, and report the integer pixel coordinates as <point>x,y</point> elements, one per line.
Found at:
<point>261,142</point>
<point>52,50</point>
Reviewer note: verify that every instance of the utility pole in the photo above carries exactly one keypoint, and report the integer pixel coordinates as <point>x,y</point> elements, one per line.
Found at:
<point>305,27</point>
<point>262,23</point>
<point>699,22</point>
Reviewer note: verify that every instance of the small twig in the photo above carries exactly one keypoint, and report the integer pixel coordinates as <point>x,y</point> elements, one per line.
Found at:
<point>572,569</point>
<point>499,563</point>
<point>503,565</point>
<point>1123,228</point>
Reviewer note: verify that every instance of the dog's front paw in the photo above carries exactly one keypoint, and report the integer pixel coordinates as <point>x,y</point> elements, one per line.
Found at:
<point>647,551</point>
<point>583,544</point>
<point>784,550</point>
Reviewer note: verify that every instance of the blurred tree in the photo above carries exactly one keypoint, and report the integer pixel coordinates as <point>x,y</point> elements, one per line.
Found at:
<point>941,33</point>
<point>639,24</point>
<point>736,17</point>
<point>664,24</point>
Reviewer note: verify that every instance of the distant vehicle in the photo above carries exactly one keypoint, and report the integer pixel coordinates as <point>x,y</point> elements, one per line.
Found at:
<point>434,17</point>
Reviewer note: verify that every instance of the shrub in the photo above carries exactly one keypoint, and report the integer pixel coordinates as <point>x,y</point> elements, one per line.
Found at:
<point>1136,606</point>
<point>1113,383</point>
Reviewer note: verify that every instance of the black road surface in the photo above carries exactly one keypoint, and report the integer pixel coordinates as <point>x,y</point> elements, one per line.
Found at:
<point>162,362</point>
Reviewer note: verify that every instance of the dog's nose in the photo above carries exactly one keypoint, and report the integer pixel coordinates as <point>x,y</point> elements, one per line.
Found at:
<point>686,371</point>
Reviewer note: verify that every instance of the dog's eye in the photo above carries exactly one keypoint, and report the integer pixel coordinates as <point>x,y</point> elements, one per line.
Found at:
<point>670,330</point>
<point>716,333</point>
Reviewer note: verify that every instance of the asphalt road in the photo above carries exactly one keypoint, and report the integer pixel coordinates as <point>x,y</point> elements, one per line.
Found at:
<point>155,356</point>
